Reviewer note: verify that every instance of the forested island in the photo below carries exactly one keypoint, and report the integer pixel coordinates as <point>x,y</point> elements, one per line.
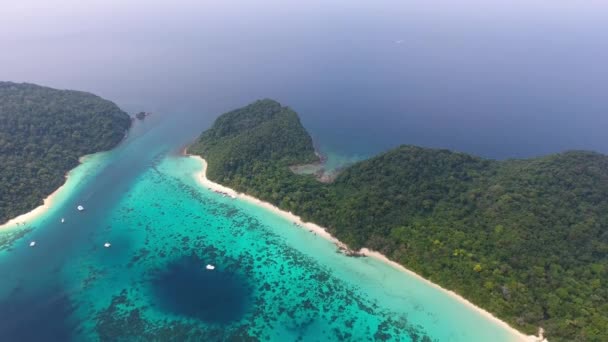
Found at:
<point>523,239</point>
<point>43,133</point>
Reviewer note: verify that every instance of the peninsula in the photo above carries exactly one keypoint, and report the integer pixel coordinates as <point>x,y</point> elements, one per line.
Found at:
<point>522,239</point>
<point>43,133</point>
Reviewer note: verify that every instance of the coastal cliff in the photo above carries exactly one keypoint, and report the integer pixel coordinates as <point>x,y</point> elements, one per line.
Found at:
<point>523,239</point>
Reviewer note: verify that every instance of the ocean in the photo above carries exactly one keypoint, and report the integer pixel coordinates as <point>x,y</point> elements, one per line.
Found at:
<point>498,79</point>
<point>272,280</point>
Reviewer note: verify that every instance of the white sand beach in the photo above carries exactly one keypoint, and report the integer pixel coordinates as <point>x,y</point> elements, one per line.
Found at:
<point>35,213</point>
<point>204,181</point>
<point>26,218</point>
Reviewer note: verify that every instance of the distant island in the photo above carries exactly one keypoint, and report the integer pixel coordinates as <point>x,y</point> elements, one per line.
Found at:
<point>523,239</point>
<point>142,115</point>
<point>43,133</point>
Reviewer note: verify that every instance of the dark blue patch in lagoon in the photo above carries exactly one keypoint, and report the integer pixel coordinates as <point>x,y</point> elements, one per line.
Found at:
<point>39,317</point>
<point>187,288</point>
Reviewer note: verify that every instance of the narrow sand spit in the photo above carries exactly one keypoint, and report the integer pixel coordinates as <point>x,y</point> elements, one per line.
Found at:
<point>204,181</point>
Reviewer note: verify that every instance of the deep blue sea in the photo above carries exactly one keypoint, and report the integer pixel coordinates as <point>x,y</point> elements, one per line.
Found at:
<point>504,78</point>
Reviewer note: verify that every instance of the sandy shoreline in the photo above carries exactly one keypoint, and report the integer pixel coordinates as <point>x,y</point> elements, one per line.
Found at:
<point>201,177</point>
<point>203,180</point>
<point>48,201</point>
<point>486,314</point>
<point>23,219</point>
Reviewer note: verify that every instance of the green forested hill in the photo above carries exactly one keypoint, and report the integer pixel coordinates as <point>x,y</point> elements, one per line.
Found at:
<point>253,136</point>
<point>43,132</point>
<point>525,239</point>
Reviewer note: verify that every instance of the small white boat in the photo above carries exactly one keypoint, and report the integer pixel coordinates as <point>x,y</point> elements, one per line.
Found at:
<point>233,196</point>
<point>107,245</point>
<point>62,220</point>
<point>210,267</point>
<point>80,208</point>
<point>33,243</point>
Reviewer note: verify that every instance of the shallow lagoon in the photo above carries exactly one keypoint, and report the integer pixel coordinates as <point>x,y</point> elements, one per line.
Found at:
<point>272,281</point>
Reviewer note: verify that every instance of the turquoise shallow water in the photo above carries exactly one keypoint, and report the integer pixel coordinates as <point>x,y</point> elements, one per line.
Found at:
<point>272,281</point>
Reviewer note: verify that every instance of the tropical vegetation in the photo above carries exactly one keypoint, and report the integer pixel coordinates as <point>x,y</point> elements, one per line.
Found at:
<point>524,239</point>
<point>43,133</point>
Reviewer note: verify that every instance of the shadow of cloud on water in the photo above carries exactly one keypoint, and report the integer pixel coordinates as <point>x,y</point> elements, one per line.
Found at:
<point>186,288</point>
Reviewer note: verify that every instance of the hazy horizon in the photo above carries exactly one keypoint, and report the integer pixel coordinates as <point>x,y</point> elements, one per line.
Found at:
<point>501,79</point>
